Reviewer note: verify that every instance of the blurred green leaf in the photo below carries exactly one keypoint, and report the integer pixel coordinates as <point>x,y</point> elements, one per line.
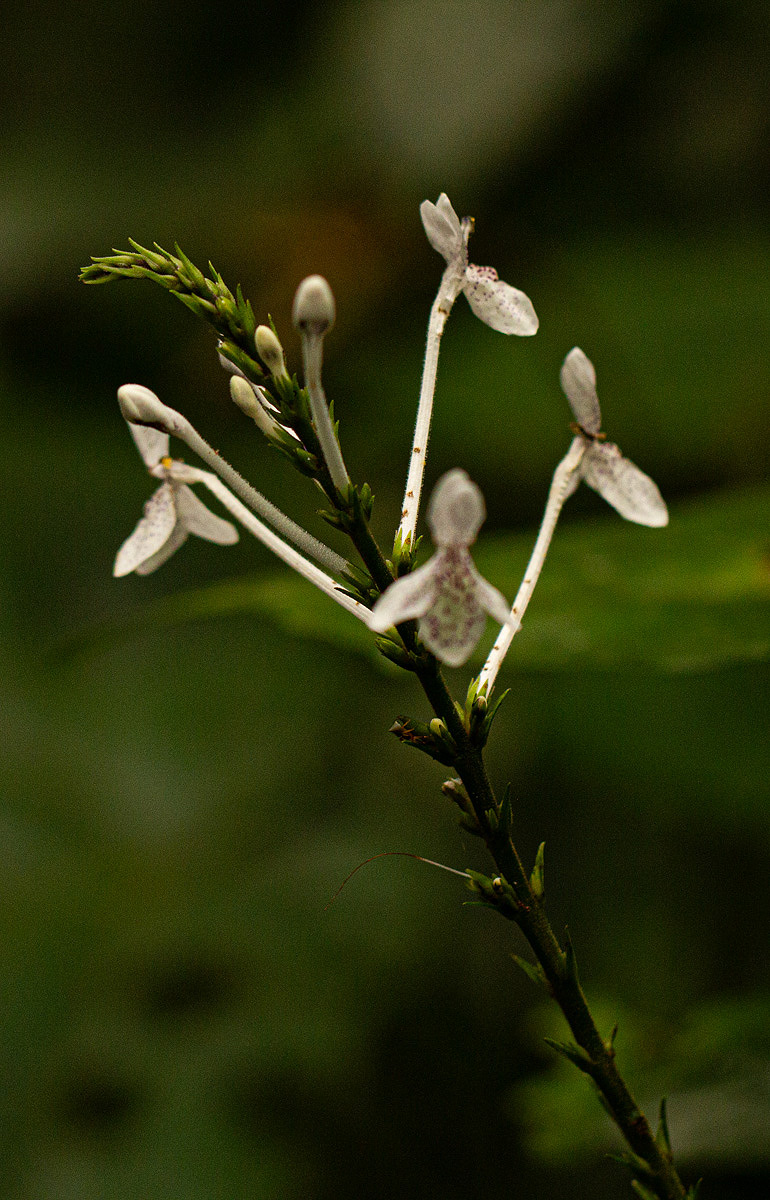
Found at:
<point>693,597</point>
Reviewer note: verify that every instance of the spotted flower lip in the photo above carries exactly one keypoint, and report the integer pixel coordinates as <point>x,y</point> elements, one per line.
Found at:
<point>494,302</point>
<point>171,514</point>
<point>447,595</point>
<point>603,467</point>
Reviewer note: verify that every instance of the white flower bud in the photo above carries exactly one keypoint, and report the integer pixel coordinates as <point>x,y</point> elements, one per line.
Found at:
<point>270,350</point>
<point>243,394</point>
<point>142,407</point>
<point>314,309</point>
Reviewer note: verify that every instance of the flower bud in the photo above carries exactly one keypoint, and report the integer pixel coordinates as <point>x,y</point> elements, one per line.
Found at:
<point>243,394</point>
<point>140,406</point>
<point>314,308</point>
<point>270,350</point>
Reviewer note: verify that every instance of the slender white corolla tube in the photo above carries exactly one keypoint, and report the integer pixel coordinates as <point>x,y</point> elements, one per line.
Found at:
<point>497,304</point>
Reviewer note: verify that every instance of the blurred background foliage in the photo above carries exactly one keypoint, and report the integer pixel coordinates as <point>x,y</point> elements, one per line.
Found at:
<point>181,1017</point>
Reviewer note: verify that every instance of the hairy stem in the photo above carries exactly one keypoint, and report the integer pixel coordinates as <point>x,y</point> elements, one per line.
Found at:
<point>562,478</point>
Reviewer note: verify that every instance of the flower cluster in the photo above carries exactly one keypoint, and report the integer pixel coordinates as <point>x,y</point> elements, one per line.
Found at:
<point>446,596</point>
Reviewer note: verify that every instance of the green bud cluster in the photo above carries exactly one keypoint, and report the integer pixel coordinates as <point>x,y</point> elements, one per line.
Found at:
<point>433,739</point>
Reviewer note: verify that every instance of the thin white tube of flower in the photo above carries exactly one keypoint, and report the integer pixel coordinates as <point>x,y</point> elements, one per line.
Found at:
<point>255,500</point>
<point>269,538</point>
<point>449,290</point>
<point>557,494</point>
<point>312,354</point>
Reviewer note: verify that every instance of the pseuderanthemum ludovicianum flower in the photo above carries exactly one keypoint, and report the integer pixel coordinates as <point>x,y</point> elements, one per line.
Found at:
<point>496,303</point>
<point>447,595</point>
<point>603,467</point>
<point>171,514</point>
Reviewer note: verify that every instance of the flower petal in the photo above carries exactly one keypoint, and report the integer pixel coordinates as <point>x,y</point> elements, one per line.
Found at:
<point>152,532</point>
<point>578,381</point>
<point>623,485</point>
<point>444,206</point>
<point>455,621</point>
<point>199,519</point>
<point>179,536</point>
<point>152,444</point>
<point>490,599</point>
<point>452,641</point>
<point>456,511</point>
<point>497,304</point>
<point>442,227</point>
<point>407,598</point>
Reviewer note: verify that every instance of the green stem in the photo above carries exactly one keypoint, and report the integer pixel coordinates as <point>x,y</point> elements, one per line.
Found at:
<point>559,971</point>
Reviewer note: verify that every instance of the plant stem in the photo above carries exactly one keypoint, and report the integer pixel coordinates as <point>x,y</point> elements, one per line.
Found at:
<point>557,967</point>
<point>312,352</point>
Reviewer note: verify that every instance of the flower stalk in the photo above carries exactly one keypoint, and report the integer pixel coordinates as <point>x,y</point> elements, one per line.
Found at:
<point>313,316</point>
<point>559,490</point>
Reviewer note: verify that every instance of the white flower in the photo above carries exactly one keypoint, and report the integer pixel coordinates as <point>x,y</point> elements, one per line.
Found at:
<point>497,304</point>
<point>602,465</point>
<point>171,514</point>
<point>447,594</point>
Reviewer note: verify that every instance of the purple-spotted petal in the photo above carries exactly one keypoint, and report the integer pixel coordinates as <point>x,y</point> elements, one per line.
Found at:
<point>455,621</point>
<point>632,493</point>
<point>152,532</point>
<point>578,381</point>
<point>442,227</point>
<point>198,519</point>
<point>407,598</point>
<point>497,304</point>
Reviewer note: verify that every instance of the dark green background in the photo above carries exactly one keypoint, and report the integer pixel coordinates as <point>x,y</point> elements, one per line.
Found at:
<point>181,1018</point>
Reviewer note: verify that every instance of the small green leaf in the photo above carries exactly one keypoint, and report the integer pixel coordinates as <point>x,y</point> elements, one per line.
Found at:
<point>662,1137</point>
<point>537,878</point>
<point>570,962</point>
<point>533,971</point>
<point>486,716</point>
<point>506,814</point>
<point>573,1053</point>
<point>643,1192</point>
<point>637,1164</point>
